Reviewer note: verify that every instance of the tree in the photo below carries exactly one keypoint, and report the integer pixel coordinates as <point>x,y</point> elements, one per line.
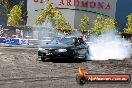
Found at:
<point>102,25</point>
<point>98,24</point>
<point>83,27</point>
<point>5,7</point>
<point>109,24</point>
<point>54,14</point>
<point>47,12</point>
<point>15,17</point>
<point>61,23</point>
<point>128,28</point>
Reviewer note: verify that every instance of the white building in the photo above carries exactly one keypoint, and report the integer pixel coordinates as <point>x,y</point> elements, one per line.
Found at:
<point>73,10</point>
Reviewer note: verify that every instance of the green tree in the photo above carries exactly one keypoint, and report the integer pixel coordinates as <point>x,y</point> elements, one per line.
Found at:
<point>47,12</point>
<point>56,16</point>
<point>61,23</point>
<point>102,25</point>
<point>5,7</point>
<point>128,28</point>
<point>83,27</point>
<point>98,24</point>
<point>15,17</point>
<point>109,24</point>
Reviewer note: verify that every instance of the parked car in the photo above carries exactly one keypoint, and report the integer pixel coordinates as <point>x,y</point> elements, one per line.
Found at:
<point>64,47</point>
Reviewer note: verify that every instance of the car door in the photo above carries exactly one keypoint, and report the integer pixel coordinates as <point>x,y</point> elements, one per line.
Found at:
<point>81,49</point>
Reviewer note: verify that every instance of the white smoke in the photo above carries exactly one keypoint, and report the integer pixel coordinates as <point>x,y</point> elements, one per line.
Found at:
<point>108,46</point>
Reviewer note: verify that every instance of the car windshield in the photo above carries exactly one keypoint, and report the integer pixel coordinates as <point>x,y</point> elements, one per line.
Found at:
<point>62,40</point>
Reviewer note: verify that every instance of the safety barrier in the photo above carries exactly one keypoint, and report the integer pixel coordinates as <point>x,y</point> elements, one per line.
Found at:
<point>14,41</point>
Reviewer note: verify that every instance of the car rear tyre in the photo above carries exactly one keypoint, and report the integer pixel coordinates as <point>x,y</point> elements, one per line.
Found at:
<point>87,56</point>
<point>43,59</point>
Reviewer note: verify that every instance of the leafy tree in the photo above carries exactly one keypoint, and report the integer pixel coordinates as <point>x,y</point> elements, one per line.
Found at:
<point>15,17</point>
<point>83,27</point>
<point>109,24</point>
<point>98,24</point>
<point>5,6</point>
<point>55,15</point>
<point>101,25</point>
<point>61,23</point>
<point>47,12</point>
<point>128,28</point>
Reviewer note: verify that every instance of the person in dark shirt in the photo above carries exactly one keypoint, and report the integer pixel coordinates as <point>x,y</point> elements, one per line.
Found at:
<point>79,41</point>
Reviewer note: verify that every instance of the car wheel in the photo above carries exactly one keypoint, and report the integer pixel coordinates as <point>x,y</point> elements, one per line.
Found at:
<point>43,59</point>
<point>72,56</point>
<point>87,56</point>
<point>81,80</point>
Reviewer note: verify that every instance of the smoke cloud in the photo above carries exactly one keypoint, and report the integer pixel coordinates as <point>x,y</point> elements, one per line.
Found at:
<point>108,46</point>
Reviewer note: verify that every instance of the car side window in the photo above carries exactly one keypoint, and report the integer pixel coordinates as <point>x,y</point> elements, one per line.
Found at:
<point>79,41</point>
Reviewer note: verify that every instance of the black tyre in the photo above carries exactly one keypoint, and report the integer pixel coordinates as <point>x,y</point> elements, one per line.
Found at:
<point>43,59</point>
<point>81,80</point>
<point>87,56</point>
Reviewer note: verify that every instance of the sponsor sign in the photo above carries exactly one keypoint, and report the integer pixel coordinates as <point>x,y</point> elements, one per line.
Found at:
<point>83,77</point>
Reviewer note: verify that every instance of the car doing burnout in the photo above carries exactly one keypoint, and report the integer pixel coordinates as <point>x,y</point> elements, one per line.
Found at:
<point>64,47</point>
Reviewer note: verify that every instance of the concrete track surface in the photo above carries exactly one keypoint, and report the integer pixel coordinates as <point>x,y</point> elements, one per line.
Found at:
<point>19,68</point>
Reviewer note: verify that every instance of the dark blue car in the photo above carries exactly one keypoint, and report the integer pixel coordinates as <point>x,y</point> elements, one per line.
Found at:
<point>64,47</point>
